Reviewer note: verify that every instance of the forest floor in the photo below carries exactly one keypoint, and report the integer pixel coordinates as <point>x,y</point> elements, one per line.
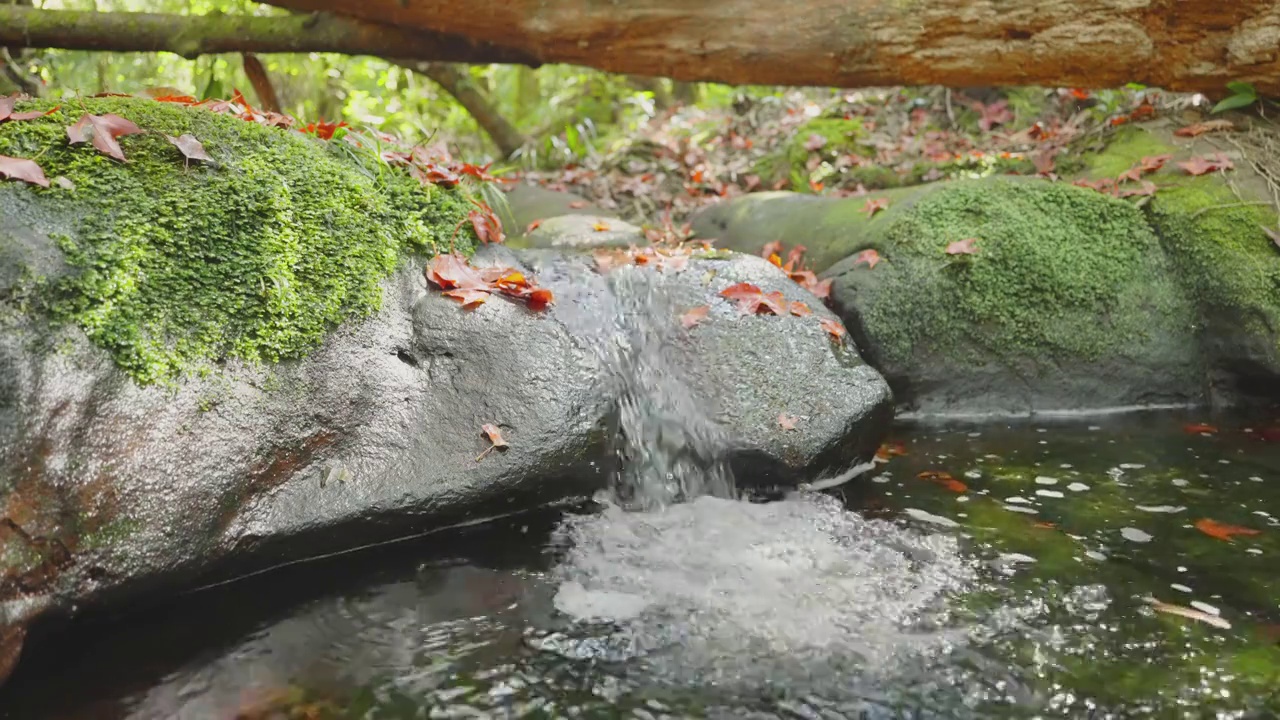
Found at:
<point>853,142</point>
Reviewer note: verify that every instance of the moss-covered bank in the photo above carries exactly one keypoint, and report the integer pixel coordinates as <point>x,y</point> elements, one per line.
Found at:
<point>173,265</point>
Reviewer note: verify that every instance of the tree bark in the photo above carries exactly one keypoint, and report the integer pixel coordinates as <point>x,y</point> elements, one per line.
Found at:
<point>455,82</point>
<point>194,35</point>
<point>1184,45</point>
<point>261,81</point>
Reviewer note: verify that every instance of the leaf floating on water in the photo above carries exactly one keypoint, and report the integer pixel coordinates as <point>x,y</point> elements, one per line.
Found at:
<point>694,316</point>
<point>944,479</point>
<point>890,449</point>
<point>1198,429</point>
<point>1222,531</point>
<point>1189,613</point>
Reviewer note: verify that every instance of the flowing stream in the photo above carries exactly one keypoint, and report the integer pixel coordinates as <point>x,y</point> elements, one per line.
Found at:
<point>981,571</point>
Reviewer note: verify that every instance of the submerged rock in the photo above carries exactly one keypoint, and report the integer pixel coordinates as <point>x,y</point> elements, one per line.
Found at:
<point>283,393</point>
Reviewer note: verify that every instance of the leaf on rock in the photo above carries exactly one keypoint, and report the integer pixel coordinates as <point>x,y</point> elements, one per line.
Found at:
<point>469,297</point>
<point>787,422</point>
<point>1152,163</point>
<point>1133,174</point>
<point>775,260</point>
<point>1147,188</point>
<point>1202,165</point>
<point>800,309</point>
<point>1222,531</point>
<point>539,298</point>
<point>22,169</point>
<point>189,146</point>
<point>870,257</point>
<point>7,113</point>
<point>485,222</point>
<point>773,248</point>
<point>694,316</point>
<point>451,271</point>
<point>875,205</point>
<point>103,130</point>
<point>578,204</point>
<point>600,226</point>
<point>741,291</point>
<point>968,246</point>
<point>834,328</point>
<point>496,441</point>
<point>1200,128</point>
<point>533,226</point>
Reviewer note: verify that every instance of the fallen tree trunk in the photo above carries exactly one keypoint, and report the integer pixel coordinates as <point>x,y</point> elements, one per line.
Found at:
<point>195,35</point>
<point>1185,45</point>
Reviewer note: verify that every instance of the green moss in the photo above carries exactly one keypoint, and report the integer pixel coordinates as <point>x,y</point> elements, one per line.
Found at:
<point>1062,273</point>
<point>255,257</point>
<point>1124,150</point>
<point>1227,263</point>
<point>841,136</point>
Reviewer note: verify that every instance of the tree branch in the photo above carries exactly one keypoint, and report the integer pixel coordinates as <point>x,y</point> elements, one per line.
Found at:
<point>455,82</point>
<point>194,35</point>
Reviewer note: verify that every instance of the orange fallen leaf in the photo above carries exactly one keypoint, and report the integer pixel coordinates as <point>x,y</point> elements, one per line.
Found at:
<point>600,226</point>
<point>875,205</point>
<point>578,204</point>
<point>890,449</point>
<point>870,257</point>
<point>800,309</point>
<point>468,296</point>
<point>787,422</point>
<point>1200,128</point>
<point>775,259</point>
<point>944,479</point>
<point>1222,531</point>
<point>771,248</point>
<point>694,316</point>
<point>1044,525</point>
<point>495,440</point>
<point>102,131</point>
<point>532,226</point>
<point>833,327</point>
<point>1152,163</point>
<point>1198,429</point>
<point>1203,165</point>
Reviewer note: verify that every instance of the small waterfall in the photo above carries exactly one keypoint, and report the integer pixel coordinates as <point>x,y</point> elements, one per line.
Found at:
<point>667,448</point>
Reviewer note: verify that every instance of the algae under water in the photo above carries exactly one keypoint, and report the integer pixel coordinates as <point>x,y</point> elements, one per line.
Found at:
<point>1020,587</point>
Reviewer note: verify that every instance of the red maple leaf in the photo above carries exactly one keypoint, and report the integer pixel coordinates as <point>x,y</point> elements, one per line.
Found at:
<point>103,130</point>
<point>875,205</point>
<point>323,130</point>
<point>1147,188</point>
<point>800,309</point>
<point>833,327</point>
<point>1200,128</point>
<point>22,169</point>
<point>694,316</point>
<point>944,479</point>
<point>1202,165</point>
<point>1152,163</point>
<point>869,256</point>
<point>485,223</point>
<point>189,146</point>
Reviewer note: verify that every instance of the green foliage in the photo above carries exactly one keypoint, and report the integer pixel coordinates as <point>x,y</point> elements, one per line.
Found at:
<point>256,257</point>
<point>1242,95</point>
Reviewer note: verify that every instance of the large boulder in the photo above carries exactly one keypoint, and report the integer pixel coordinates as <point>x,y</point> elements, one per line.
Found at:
<point>199,379</point>
<point>1068,303</point>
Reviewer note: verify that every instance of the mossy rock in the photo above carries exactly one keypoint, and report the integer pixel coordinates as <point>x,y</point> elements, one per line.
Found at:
<point>1211,229</point>
<point>830,229</point>
<point>172,265</point>
<point>840,136</point>
<point>1069,302</point>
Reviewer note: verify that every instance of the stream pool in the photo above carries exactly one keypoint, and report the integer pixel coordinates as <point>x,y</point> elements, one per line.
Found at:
<point>1116,567</point>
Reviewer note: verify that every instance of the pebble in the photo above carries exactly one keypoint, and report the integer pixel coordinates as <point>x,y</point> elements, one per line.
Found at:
<point>1017,500</point>
<point>1179,482</point>
<point>1077,487</point>
<point>1095,555</point>
<point>1180,587</point>
<point>1050,493</point>
<point>1045,480</point>
<point>1161,508</point>
<point>1135,535</point>
<point>1205,607</point>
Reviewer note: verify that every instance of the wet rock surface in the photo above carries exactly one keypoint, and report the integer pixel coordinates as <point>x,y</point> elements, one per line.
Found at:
<point>110,491</point>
